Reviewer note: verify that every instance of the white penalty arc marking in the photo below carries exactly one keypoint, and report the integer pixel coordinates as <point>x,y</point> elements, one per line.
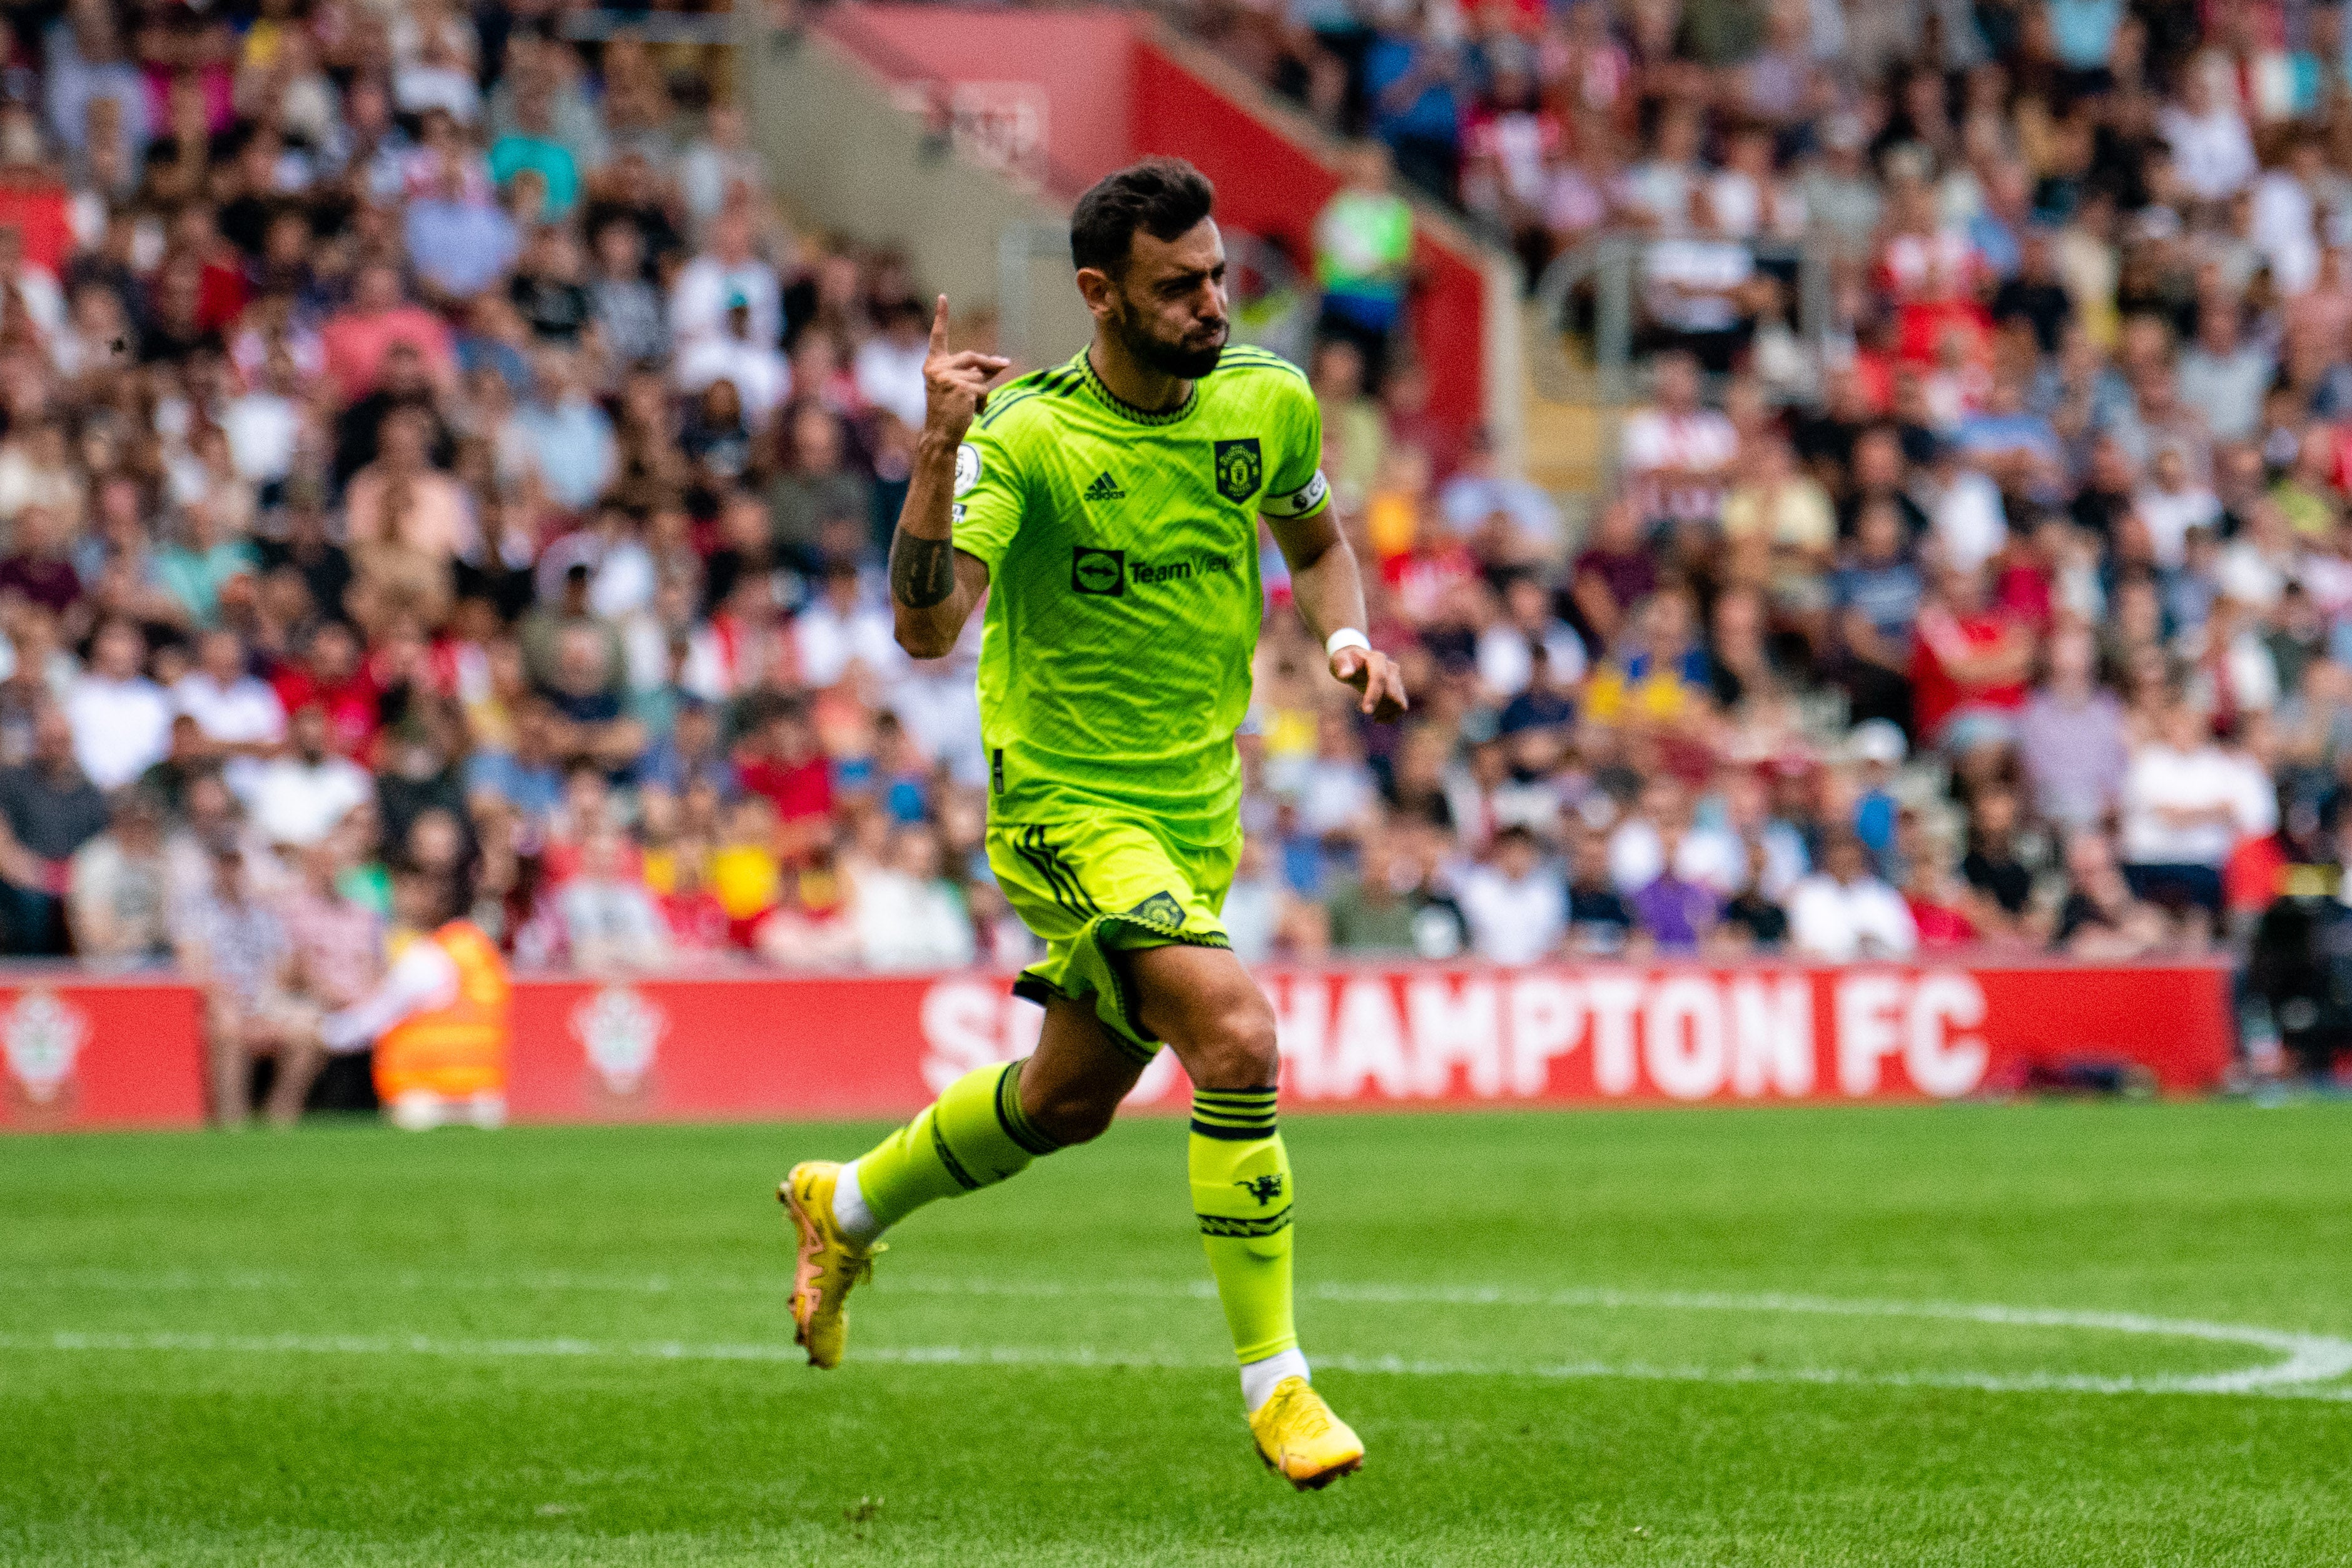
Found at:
<point>1081,1356</point>
<point>2308,1367</point>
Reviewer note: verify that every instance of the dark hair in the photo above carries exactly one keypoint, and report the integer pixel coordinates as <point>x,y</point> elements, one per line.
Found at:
<point>453,889</point>
<point>1162,197</point>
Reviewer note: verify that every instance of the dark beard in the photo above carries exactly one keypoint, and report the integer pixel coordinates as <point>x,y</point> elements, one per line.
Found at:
<point>1167,359</point>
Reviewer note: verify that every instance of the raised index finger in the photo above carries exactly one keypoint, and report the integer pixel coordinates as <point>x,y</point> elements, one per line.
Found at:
<point>940,327</point>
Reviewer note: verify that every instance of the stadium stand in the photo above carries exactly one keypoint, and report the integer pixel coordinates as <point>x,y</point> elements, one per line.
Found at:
<point>428,441</point>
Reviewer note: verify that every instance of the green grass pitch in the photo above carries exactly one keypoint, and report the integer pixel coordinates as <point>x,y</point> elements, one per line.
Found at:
<point>2029,1334</point>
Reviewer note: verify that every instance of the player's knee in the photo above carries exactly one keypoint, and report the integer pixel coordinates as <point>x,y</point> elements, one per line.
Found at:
<point>1077,1113</point>
<point>1235,1046</point>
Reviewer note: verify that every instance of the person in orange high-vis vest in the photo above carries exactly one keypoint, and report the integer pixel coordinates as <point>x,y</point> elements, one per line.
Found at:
<point>438,1022</point>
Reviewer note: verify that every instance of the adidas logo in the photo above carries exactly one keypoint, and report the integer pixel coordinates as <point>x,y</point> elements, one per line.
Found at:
<point>1104,488</point>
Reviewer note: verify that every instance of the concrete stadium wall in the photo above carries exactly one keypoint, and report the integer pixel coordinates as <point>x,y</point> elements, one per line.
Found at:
<point>843,153</point>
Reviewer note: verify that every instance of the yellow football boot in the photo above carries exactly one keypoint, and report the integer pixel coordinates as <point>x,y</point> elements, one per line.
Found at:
<point>829,1263</point>
<point>1301,1440</point>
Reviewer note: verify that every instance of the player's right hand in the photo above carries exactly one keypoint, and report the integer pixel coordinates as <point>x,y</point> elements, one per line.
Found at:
<point>955,386</point>
<point>1377,681</point>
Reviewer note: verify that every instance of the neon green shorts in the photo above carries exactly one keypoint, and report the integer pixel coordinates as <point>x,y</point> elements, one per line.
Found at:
<point>1096,891</point>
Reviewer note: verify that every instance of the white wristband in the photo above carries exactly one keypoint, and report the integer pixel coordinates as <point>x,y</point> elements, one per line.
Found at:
<point>1345,637</point>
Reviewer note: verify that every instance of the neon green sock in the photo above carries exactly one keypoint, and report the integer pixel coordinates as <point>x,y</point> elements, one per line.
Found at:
<point>1240,1195</point>
<point>972,1136</point>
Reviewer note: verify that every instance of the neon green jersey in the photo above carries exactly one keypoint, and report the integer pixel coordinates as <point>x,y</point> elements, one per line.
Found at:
<point>1124,596</point>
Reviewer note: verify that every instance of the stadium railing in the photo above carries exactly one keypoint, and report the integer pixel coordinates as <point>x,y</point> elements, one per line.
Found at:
<point>1591,292</point>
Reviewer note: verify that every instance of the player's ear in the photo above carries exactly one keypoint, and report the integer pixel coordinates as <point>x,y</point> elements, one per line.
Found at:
<point>1096,288</point>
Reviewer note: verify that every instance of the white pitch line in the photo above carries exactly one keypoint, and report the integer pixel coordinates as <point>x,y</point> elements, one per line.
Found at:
<point>2309,1357</point>
<point>2308,1360</point>
<point>427,1345</point>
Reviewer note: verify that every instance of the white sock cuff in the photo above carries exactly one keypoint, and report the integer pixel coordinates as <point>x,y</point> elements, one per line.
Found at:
<point>1260,1378</point>
<point>849,1210</point>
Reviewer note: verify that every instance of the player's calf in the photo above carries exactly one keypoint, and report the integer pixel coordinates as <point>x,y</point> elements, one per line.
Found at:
<point>1204,1004</point>
<point>1071,1089</point>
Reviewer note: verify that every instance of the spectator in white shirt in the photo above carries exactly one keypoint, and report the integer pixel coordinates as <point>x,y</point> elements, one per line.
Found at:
<point>1710,856</point>
<point>2187,803</point>
<point>1676,454</point>
<point>2256,567</point>
<point>237,712</point>
<point>1256,905</point>
<point>890,366</point>
<point>300,798</point>
<point>264,425</point>
<point>1516,905</point>
<point>907,916</point>
<point>2211,152</point>
<point>698,299</point>
<point>718,162</point>
<point>2285,205</point>
<point>1965,513</point>
<point>1506,649</point>
<point>762,377</point>
<point>609,919</point>
<point>1502,517</point>
<point>1842,913</point>
<point>1337,790</point>
<point>440,77</point>
<point>2172,504</point>
<point>1701,286</point>
<point>122,720</point>
<point>1748,197</point>
<point>2235,672</point>
<point>1655,193</point>
<point>841,627</point>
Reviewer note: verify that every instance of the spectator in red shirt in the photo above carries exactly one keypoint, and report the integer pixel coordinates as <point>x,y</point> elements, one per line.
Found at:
<point>220,270</point>
<point>1970,665</point>
<point>782,761</point>
<point>331,675</point>
<point>698,927</point>
<point>1937,899</point>
<point>356,340</point>
<point>1945,307</point>
<point>32,200</point>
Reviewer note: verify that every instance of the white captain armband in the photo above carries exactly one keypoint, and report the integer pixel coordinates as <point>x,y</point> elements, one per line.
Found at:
<point>1299,502</point>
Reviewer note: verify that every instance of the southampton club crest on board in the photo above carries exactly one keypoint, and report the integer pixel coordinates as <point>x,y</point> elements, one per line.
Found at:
<point>1240,469</point>
<point>42,1036</point>
<point>619,1031</point>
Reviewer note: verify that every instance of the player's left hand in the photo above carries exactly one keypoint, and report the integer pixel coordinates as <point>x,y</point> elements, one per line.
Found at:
<point>1376,678</point>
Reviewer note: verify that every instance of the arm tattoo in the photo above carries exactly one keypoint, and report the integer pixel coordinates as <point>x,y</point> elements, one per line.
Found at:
<point>922,572</point>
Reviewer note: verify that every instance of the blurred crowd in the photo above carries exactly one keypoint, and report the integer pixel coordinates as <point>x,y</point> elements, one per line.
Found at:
<point>428,450</point>
<point>423,448</point>
<point>2008,604</point>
